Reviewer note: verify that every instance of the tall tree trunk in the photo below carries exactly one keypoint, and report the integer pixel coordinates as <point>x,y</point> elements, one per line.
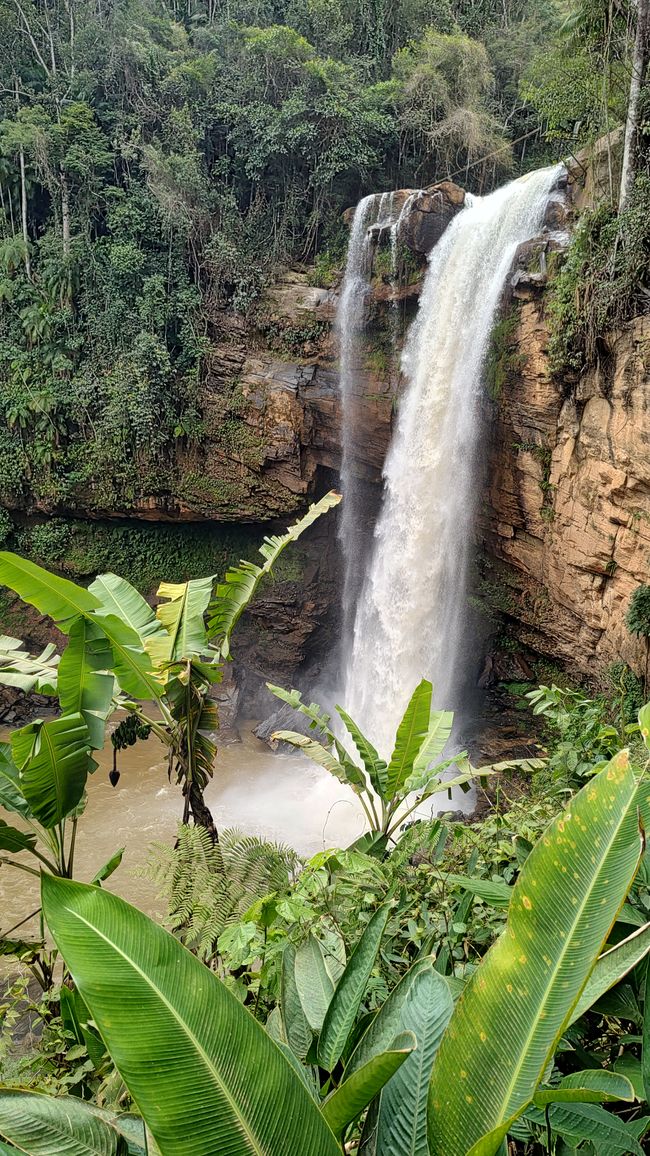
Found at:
<point>639,69</point>
<point>23,211</point>
<point>23,194</point>
<point>65,213</point>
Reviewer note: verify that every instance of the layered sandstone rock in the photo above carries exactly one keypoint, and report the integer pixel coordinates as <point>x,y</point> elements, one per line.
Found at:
<point>568,498</point>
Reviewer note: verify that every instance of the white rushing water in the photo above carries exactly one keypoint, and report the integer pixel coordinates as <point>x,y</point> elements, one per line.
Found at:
<point>374,210</point>
<point>412,610</point>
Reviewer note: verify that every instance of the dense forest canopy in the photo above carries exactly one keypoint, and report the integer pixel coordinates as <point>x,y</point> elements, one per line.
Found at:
<point>158,163</point>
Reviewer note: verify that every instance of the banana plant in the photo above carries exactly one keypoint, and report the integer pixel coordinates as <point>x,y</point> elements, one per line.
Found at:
<point>122,654</point>
<point>388,791</point>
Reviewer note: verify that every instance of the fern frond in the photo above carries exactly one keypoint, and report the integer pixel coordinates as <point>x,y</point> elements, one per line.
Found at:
<point>208,887</point>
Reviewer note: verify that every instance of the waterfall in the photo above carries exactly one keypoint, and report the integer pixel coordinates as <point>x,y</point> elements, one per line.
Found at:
<point>411,614</point>
<point>375,210</point>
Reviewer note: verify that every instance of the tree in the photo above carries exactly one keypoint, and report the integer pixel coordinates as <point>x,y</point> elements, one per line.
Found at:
<point>169,658</point>
<point>637,621</point>
<point>446,84</point>
<point>632,125</point>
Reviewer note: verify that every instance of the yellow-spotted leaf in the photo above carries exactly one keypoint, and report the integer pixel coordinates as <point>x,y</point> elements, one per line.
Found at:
<point>509,1019</point>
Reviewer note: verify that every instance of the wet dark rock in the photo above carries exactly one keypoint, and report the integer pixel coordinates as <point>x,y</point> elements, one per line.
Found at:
<point>428,215</point>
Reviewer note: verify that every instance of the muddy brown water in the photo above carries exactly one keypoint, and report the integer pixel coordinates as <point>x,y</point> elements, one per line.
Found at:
<point>274,795</point>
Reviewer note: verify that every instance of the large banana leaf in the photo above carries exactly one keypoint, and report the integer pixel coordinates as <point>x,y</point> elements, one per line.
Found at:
<point>411,733</point>
<point>205,1075</point>
<point>11,796</point>
<point>131,662</point>
<point>11,839</point>
<point>64,602</point>
<point>84,686</point>
<point>54,762</point>
<point>119,597</point>
<point>240,584</point>
<point>346,1103</point>
<point>56,1126</point>
<point>375,766</point>
<point>182,615</point>
<point>27,672</point>
<point>508,1020</point>
<point>344,770</point>
<point>344,1007</point>
<point>61,600</point>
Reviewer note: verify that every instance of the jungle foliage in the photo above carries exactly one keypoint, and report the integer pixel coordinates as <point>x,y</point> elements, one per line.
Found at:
<point>353,1001</point>
<point>157,164</point>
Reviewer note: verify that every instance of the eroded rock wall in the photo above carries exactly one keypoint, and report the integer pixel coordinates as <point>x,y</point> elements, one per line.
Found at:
<point>565,525</point>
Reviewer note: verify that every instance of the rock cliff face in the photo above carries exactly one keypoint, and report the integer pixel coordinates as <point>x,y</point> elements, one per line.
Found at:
<point>566,520</point>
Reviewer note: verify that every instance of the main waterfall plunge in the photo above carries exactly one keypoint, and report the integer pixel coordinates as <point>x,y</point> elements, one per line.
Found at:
<point>411,608</point>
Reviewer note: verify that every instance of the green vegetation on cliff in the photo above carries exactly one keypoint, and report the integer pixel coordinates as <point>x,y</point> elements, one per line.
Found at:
<point>157,165</point>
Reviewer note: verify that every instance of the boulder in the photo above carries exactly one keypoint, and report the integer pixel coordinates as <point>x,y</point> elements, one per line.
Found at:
<point>427,214</point>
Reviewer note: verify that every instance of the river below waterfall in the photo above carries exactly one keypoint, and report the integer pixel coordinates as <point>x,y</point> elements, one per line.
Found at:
<point>275,795</point>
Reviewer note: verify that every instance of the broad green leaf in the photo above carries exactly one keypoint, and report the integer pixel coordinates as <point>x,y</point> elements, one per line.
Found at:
<point>348,1101</point>
<point>344,772</point>
<point>109,868</point>
<point>313,981</point>
<point>11,796</point>
<point>84,687</point>
<point>118,597</point>
<point>402,1120</point>
<point>130,1126</point>
<point>344,1007</point>
<point>11,839</point>
<point>435,742</point>
<point>389,1021</point>
<point>630,1066</point>
<point>375,766</point>
<point>296,1027</point>
<point>594,1086</point>
<point>610,967</point>
<point>411,734</point>
<point>64,601</point>
<point>319,720</point>
<point>584,1122</point>
<point>563,905</point>
<point>370,843</point>
<point>43,1125</point>
<point>131,663</point>
<point>27,672</point>
<point>304,1073</point>
<point>240,584</point>
<point>492,891</point>
<point>182,615</point>
<point>203,1072</point>
<point>60,599</point>
<point>54,762</point>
